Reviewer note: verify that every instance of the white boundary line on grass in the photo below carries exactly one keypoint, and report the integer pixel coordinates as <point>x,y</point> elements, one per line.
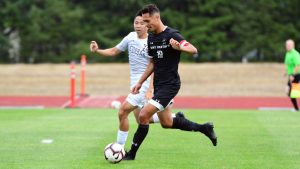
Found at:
<point>275,108</point>
<point>47,141</point>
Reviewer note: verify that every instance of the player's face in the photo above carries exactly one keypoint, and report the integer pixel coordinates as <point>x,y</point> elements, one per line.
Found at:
<point>139,26</point>
<point>289,45</point>
<point>151,21</point>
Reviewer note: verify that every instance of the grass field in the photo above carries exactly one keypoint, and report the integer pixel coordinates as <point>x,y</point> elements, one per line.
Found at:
<point>248,139</point>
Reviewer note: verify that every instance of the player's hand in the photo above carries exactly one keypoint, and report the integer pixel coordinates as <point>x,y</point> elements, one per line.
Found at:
<point>93,46</point>
<point>136,88</point>
<point>175,44</point>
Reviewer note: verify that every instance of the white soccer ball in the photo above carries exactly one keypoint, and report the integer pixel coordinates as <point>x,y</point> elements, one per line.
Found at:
<point>114,152</point>
<point>115,104</point>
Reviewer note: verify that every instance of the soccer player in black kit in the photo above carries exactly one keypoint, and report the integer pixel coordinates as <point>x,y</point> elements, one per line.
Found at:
<point>164,47</point>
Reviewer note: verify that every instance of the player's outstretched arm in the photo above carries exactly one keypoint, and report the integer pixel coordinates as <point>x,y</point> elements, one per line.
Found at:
<point>296,70</point>
<point>184,46</point>
<point>103,52</point>
<point>147,73</point>
<point>149,93</point>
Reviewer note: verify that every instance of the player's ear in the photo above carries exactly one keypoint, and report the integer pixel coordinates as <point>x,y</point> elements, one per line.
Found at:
<point>157,16</point>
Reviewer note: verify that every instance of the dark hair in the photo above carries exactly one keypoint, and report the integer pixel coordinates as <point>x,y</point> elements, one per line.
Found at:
<point>150,8</point>
<point>139,13</point>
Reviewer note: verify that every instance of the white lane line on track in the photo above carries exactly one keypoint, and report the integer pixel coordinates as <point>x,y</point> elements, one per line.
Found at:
<point>22,107</point>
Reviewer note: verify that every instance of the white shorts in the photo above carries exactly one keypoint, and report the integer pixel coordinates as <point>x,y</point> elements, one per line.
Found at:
<point>138,100</point>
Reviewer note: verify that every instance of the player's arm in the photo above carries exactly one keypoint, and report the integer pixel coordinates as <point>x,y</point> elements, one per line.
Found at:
<point>296,70</point>
<point>104,52</point>
<point>297,64</point>
<point>149,93</point>
<point>297,67</point>
<point>147,72</point>
<point>144,77</point>
<point>183,46</point>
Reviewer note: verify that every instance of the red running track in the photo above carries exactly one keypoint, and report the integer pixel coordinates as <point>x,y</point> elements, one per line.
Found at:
<point>180,102</point>
<point>32,101</point>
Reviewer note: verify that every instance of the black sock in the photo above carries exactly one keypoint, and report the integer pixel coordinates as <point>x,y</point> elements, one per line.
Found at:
<point>138,138</point>
<point>186,125</point>
<point>294,101</point>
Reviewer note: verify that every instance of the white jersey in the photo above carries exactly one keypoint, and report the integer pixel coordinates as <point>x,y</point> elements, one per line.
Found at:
<point>138,58</point>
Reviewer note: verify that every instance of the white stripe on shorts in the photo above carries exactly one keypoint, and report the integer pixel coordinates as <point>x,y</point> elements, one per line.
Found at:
<point>156,104</point>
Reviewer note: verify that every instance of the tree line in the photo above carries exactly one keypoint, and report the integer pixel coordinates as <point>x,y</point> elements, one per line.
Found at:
<point>59,31</point>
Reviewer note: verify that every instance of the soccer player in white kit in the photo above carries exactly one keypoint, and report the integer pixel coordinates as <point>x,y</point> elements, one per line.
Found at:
<point>136,44</point>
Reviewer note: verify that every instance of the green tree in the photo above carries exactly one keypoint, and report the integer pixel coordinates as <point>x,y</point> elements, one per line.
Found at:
<point>61,30</point>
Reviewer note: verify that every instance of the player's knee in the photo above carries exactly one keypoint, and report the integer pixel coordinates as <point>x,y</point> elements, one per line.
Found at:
<point>123,113</point>
<point>143,118</point>
<point>137,121</point>
<point>165,124</point>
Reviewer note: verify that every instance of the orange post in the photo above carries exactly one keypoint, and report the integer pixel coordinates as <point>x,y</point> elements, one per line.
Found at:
<point>72,85</point>
<point>82,82</point>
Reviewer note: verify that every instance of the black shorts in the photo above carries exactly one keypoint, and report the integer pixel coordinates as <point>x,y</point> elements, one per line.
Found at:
<point>163,95</point>
<point>296,80</point>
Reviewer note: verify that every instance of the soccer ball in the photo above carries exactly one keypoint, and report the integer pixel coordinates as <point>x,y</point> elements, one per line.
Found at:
<point>114,152</point>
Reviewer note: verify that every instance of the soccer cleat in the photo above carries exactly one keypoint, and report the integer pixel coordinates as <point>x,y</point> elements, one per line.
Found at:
<point>129,156</point>
<point>180,114</point>
<point>210,133</point>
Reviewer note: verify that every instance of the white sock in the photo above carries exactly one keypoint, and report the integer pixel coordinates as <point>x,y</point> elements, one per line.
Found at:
<point>155,118</point>
<point>122,137</point>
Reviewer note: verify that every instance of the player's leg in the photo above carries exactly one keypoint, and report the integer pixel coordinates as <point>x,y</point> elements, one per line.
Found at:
<point>124,111</point>
<point>140,100</point>
<point>293,100</point>
<point>155,118</point>
<point>185,124</point>
<point>144,118</point>
<point>166,118</point>
<point>295,104</point>
<point>167,121</point>
<point>136,113</point>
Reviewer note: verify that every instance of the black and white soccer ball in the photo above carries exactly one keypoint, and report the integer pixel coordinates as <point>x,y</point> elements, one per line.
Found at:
<point>114,152</point>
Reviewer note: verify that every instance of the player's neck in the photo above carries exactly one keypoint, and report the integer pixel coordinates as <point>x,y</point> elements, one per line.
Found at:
<point>143,36</point>
<point>160,28</point>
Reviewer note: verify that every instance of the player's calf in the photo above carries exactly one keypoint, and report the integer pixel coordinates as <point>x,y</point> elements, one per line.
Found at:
<point>187,125</point>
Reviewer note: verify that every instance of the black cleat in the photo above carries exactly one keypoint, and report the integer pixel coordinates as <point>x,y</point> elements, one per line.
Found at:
<point>180,114</point>
<point>129,156</point>
<point>210,133</point>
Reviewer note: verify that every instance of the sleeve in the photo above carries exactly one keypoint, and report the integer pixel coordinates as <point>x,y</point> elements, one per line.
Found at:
<point>178,37</point>
<point>123,45</point>
<point>297,58</point>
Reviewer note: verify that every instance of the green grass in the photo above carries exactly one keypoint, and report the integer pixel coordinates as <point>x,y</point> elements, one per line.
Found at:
<point>248,139</point>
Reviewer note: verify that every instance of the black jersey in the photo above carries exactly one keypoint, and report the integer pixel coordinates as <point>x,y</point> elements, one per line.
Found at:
<point>166,59</point>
